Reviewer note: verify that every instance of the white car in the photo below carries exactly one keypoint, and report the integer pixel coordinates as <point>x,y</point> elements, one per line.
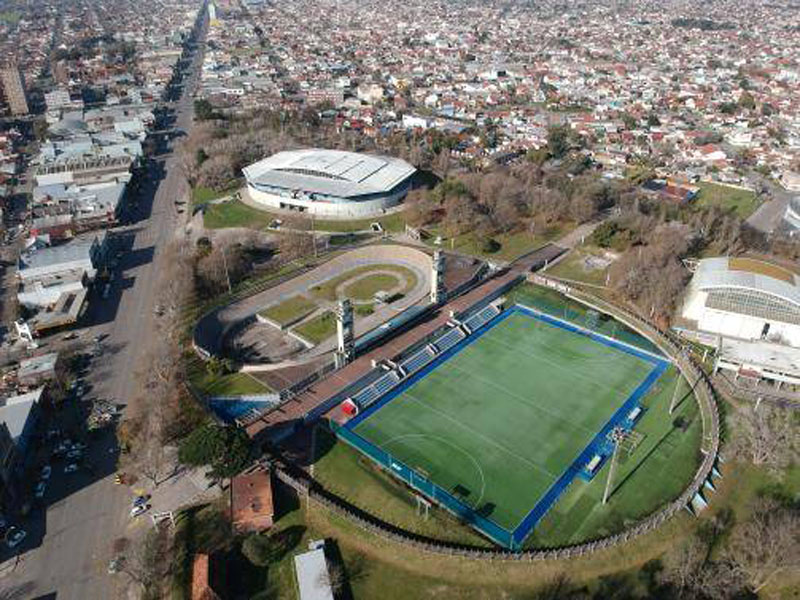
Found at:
<point>74,454</point>
<point>115,565</point>
<point>41,487</point>
<point>46,470</point>
<point>14,536</point>
<point>138,510</point>
<point>71,468</point>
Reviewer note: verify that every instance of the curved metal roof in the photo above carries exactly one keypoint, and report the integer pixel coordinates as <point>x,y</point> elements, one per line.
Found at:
<point>330,172</point>
<point>716,273</point>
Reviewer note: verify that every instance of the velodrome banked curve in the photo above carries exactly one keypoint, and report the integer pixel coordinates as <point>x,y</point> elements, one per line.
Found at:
<point>704,396</point>
<point>212,328</point>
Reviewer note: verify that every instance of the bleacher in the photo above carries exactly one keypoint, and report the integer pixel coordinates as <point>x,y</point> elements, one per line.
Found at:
<point>449,339</point>
<point>415,362</point>
<point>372,392</point>
<point>455,334</point>
<point>366,396</point>
<point>480,318</point>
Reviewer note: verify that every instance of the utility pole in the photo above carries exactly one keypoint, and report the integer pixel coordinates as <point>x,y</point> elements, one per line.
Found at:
<point>313,234</point>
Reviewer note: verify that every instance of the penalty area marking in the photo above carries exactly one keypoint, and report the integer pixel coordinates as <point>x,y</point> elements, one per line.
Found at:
<point>446,443</point>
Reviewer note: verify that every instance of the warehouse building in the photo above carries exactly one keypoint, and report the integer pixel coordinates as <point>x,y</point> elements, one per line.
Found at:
<point>329,183</point>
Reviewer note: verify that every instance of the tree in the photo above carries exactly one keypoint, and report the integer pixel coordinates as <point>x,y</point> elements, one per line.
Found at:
<point>766,436</point>
<point>766,544</point>
<point>335,577</point>
<point>629,121</point>
<point>558,140</point>
<point>203,110</point>
<point>225,449</point>
<point>294,245</point>
<point>747,101</point>
<point>200,156</point>
<point>143,563</point>
<point>260,550</point>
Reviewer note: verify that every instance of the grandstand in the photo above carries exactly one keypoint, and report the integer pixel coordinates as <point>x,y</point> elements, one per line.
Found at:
<point>496,414</point>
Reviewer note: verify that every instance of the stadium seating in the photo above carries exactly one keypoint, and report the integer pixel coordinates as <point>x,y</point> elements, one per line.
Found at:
<point>449,339</point>
<point>480,318</point>
<point>417,361</point>
<point>366,396</point>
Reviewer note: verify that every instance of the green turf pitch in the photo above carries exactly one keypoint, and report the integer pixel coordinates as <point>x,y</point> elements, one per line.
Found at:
<point>497,423</point>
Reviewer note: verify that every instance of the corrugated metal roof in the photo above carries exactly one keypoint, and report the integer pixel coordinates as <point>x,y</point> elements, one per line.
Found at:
<point>715,273</point>
<point>330,172</point>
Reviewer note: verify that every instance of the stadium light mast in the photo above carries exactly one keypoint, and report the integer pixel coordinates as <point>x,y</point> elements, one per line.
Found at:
<point>617,435</point>
<point>673,403</point>
<point>345,352</point>
<point>438,291</point>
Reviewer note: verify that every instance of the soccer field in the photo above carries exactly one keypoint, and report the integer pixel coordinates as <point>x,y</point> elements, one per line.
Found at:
<point>501,422</point>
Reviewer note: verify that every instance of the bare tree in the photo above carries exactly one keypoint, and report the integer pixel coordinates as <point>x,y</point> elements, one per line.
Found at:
<point>293,246</point>
<point>335,577</point>
<point>682,565</point>
<point>766,436</point>
<point>766,544</point>
<point>144,563</point>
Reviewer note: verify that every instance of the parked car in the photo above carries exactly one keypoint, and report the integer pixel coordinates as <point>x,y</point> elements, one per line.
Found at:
<point>140,500</point>
<point>41,487</point>
<point>14,537</point>
<point>71,468</point>
<point>115,564</point>
<point>46,470</point>
<point>74,454</point>
<point>138,510</point>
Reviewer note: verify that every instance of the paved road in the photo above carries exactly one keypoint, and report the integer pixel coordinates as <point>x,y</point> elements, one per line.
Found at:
<point>72,559</point>
<point>769,215</point>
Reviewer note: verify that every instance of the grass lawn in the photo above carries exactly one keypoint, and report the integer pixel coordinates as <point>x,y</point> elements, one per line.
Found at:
<point>327,289</point>
<point>364,310</point>
<point>390,571</point>
<point>203,195</point>
<point>235,214</point>
<point>290,311</point>
<point>318,329</point>
<point>743,202</point>
<point>545,384</point>
<point>574,267</point>
<point>512,245</point>
<point>232,384</point>
<point>393,223</point>
<point>347,472</point>
<point>656,471</point>
<point>365,288</point>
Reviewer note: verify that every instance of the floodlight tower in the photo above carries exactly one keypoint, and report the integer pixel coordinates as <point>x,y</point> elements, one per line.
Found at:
<point>438,291</point>
<point>617,435</point>
<point>345,351</point>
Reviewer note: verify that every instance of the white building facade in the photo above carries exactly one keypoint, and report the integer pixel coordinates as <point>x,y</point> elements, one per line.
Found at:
<point>743,299</point>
